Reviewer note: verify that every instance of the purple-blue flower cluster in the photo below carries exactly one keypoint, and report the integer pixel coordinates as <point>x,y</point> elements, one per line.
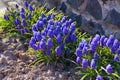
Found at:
<point>20,21</point>
<point>49,34</point>
<point>90,48</point>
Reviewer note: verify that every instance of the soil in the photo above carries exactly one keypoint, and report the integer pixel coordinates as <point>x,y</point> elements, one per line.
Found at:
<point>15,60</point>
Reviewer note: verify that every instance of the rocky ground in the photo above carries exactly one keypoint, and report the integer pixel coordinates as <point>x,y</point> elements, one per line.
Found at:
<point>15,60</point>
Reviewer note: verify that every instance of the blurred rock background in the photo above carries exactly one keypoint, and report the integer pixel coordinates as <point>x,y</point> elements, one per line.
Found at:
<point>92,16</point>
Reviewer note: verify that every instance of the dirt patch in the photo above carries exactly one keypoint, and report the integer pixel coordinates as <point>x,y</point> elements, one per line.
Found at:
<point>14,61</point>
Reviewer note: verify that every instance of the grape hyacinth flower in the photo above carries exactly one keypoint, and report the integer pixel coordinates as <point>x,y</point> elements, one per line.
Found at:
<point>109,69</point>
<point>110,41</point>
<point>78,59</point>
<point>43,15</point>
<point>99,77</point>
<point>39,24</point>
<point>95,56</point>
<point>58,30</point>
<point>50,33</point>
<point>26,4</point>
<point>93,64</point>
<point>116,58</point>
<point>17,21</point>
<point>90,40</point>
<point>116,44</point>
<point>49,17</point>
<point>44,20</point>
<point>34,46</point>
<point>93,47</point>
<point>70,21</point>
<point>111,37</point>
<point>73,37</point>
<point>24,23</point>
<point>19,27</point>
<point>81,45</point>
<point>43,33</point>
<point>49,43</point>
<point>30,7</point>
<point>72,28</point>
<point>59,39</point>
<point>58,51</point>
<point>112,49</point>
<point>34,28</point>
<point>38,36</point>
<point>102,41</point>
<point>22,10</point>
<point>42,45</point>
<point>118,50</point>
<point>32,40</point>
<point>65,31</point>
<point>51,22</point>
<point>63,19</point>
<point>6,17</point>
<point>85,63</point>
<point>29,16</point>
<point>97,37</point>
<point>22,15</point>
<point>94,44</point>
<point>26,30</point>
<point>105,41</point>
<point>33,43</point>
<point>85,49</point>
<point>53,16</point>
<point>78,52</point>
<point>16,6</point>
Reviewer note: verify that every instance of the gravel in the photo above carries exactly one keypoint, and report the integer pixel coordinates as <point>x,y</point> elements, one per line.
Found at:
<point>14,65</point>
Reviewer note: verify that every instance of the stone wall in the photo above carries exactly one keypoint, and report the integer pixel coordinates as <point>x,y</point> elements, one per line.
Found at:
<point>93,16</point>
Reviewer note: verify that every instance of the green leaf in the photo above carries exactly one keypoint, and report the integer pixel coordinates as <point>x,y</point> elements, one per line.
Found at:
<point>83,78</point>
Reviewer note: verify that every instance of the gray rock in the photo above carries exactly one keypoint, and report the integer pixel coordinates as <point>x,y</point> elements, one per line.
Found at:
<point>75,17</point>
<point>92,27</point>
<point>117,35</point>
<point>1,76</point>
<point>10,55</point>
<point>20,47</point>
<point>3,61</point>
<point>63,7</point>
<point>23,57</point>
<point>94,8</point>
<point>113,17</point>
<point>75,3</point>
<point>2,46</point>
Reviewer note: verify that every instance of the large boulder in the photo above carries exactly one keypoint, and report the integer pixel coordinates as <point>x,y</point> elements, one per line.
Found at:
<point>92,27</point>
<point>94,8</point>
<point>74,3</point>
<point>113,17</point>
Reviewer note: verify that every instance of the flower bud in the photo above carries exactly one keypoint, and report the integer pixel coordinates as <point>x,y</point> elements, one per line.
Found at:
<point>93,64</point>
<point>58,51</point>
<point>116,58</point>
<point>99,77</point>
<point>49,43</point>
<point>30,7</point>
<point>109,69</point>
<point>26,4</point>
<point>85,63</point>
<point>78,59</point>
